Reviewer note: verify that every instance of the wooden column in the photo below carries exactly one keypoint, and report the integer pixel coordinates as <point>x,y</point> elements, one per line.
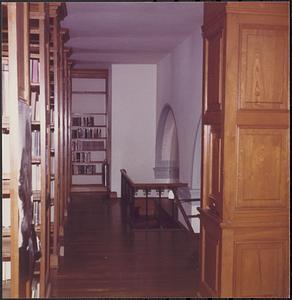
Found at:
<point>245,203</point>
<point>44,128</point>
<point>55,39</point>
<point>64,36</point>
<point>67,53</point>
<point>70,66</point>
<point>57,14</point>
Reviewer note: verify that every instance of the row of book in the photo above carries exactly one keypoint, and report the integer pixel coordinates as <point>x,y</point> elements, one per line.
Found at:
<point>87,145</point>
<point>52,189</point>
<point>36,177</point>
<point>5,156</point>
<point>84,169</point>
<point>87,133</point>
<point>34,70</point>
<point>35,143</point>
<point>52,213</point>
<point>35,106</point>
<point>6,270</point>
<point>6,205</point>
<point>51,116</point>
<point>83,121</point>
<point>36,212</point>
<point>81,156</point>
<point>52,165</point>
<point>52,140</point>
<point>5,88</point>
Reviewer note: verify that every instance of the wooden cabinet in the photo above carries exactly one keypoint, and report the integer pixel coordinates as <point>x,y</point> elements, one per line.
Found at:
<point>245,207</point>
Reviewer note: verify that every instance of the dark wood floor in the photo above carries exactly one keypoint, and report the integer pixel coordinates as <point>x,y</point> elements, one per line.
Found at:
<point>104,258</point>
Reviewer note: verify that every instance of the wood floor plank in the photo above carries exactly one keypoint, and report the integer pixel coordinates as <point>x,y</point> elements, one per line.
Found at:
<point>105,258</point>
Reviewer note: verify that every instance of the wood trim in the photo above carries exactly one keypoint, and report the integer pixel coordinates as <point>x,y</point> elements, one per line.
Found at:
<point>90,73</point>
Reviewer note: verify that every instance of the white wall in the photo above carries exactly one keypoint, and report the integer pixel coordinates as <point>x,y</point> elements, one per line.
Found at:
<point>179,83</point>
<point>133,93</point>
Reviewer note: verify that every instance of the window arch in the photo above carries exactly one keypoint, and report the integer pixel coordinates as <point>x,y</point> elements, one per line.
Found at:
<point>167,150</point>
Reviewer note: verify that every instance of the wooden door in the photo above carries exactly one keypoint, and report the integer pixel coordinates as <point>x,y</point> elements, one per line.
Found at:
<point>245,208</point>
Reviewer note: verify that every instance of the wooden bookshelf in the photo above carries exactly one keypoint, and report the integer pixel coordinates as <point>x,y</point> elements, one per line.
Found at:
<point>89,129</point>
<point>84,135</point>
<point>39,77</point>
<point>58,126</point>
<point>26,39</point>
<point>15,87</point>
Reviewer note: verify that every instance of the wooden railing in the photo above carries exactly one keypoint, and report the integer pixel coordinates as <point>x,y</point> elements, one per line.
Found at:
<point>130,188</point>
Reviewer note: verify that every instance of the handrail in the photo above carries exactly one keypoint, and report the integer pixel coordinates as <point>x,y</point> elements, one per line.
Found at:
<point>154,186</point>
<point>128,188</point>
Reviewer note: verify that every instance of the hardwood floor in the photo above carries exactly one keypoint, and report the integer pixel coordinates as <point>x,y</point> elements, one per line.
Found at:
<point>104,258</point>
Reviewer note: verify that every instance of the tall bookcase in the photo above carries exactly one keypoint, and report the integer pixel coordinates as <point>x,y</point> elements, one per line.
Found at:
<point>57,12</point>
<point>33,64</point>
<point>41,174</point>
<point>16,145</point>
<point>89,126</point>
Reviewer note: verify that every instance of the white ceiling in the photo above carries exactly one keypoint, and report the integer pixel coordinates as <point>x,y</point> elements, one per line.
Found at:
<point>121,32</point>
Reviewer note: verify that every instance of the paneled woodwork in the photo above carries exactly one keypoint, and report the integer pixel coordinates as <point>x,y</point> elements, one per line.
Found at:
<point>245,151</point>
<point>270,165</point>
<point>210,238</point>
<point>213,48</point>
<point>214,197</point>
<point>263,56</point>
<point>264,259</point>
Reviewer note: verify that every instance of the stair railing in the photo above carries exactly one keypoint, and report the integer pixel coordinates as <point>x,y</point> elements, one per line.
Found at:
<point>129,189</point>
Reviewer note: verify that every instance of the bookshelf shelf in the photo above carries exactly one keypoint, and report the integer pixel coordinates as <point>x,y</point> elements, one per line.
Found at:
<point>35,123</point>
<point>5,123</point>
<point>6,231</point>
<point>6,245</point>
<point>96,150</point>
<point>88,114</point>
<point>5,187</point>
<point>93,126</point>
<point>93,139</point>
<point>87,163</point>
<point>35,160</point>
